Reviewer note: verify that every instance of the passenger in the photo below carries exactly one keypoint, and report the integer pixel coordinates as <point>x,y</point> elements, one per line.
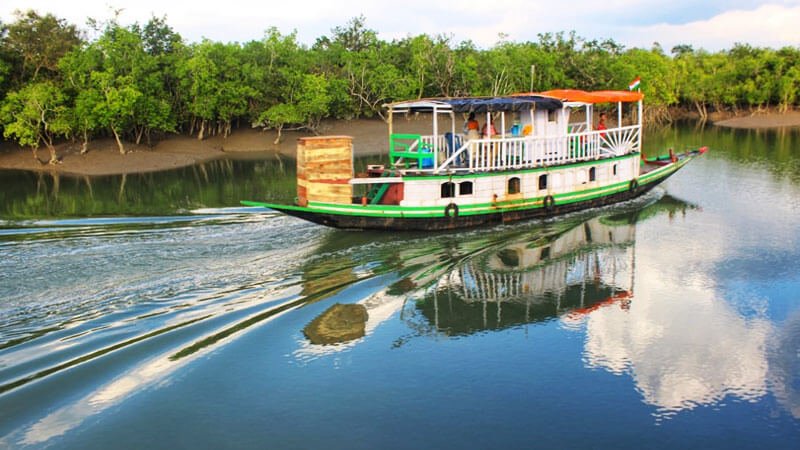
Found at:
<point>601,124</point>
<point>489,131</point>
<point>471,127</point>
<point>527,130</point>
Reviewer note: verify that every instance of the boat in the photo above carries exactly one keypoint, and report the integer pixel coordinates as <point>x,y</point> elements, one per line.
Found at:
<point>545,159</point>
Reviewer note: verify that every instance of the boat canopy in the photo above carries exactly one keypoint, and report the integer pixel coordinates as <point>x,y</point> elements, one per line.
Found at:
<point>576,95</point>
<point>479,104</point>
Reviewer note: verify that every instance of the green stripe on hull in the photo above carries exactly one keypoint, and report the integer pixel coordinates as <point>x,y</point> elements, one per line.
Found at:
<point>476,209</point>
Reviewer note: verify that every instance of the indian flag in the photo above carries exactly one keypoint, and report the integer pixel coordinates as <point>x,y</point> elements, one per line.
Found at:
<point>634,84</point>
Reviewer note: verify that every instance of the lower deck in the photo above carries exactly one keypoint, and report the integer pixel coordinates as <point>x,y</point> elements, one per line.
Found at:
<point>448,211</point>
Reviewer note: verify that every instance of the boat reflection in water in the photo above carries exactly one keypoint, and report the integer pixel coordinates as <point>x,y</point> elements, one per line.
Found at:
<point>532,279</point>
<point>495,281</point>
<point>690,350</point>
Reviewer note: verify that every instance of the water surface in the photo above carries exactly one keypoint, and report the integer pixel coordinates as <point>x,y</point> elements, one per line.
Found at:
<point>151,311</point>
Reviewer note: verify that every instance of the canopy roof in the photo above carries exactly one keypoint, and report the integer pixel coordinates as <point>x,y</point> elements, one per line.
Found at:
<point>575,95</point>
<point>479,104</point>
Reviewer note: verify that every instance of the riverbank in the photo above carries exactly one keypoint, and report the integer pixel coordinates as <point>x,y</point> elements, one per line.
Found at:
<point>761,121</point>
<point>369,137</point>
<point>103,158</point>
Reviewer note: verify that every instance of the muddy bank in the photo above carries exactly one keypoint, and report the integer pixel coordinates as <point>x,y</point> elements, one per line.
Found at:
<point>369,137</point>
<point>760,121</point>
<point>103,158</point>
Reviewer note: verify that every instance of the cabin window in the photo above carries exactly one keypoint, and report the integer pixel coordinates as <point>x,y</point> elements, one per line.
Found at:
<point>544,254</point>
<point>614,169</point>
<point>592,174</point>
<point>551,115</point>
<point>465,188</point>
<point>513,185</point>
<point>448,190</point>
<point>543,181</point>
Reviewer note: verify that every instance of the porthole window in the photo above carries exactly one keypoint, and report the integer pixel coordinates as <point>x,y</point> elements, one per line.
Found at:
<point>542,181</point>
<point>465,188</point>
<point>592,174</point>
<point>513,185</point>
<point>448,190</point>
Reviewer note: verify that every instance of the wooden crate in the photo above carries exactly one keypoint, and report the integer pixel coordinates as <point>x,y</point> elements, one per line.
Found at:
<point>324,169</point>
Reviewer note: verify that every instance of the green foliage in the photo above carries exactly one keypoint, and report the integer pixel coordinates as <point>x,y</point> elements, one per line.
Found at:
<point>216,84</point>
<point>654,67</point>
<point>306,103</point>
<point>37,43</point>
<point>35,115</point>
<point>131,82</point>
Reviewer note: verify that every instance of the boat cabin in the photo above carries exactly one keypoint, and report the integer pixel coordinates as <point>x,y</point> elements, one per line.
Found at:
<point>532,130</point>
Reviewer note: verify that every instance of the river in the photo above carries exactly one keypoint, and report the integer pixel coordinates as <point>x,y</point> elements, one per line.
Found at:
<point>150,311</point>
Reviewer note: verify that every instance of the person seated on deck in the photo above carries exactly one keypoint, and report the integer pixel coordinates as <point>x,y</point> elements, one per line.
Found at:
<point>489,131</point>
<point>601,124</point>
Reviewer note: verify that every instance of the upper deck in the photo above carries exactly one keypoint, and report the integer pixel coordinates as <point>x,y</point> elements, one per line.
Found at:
<point>532,130</point>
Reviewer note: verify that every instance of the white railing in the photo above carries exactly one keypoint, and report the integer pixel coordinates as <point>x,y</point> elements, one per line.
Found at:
<point>623,140</point>
<point>577,127</point>
<point>529,151</point>
<point>441,142</point>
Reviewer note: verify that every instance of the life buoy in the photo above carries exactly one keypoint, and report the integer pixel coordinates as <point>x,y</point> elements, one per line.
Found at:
<point>633,186</point>
<point>451,207</point>
<point>549,203</point>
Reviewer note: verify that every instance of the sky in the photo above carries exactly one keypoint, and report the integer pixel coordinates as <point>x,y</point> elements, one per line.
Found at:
<point>712,25</point>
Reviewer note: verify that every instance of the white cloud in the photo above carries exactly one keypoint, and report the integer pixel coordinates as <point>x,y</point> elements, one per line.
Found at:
<point>684,350</point>
<point>714,25</point>
<point>769,25</point>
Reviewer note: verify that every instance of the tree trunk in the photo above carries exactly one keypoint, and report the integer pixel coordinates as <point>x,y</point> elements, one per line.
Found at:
<point>278,139</point>
<point>53,156</point>
<point>202,130</point>
<point>119,141</point>
<point>139,133</point>
<point>85,143</point>
<point>36,154</point>
<point>701,109</point>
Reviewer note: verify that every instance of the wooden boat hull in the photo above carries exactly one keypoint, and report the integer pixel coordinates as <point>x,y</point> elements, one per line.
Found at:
<point>350,217</point>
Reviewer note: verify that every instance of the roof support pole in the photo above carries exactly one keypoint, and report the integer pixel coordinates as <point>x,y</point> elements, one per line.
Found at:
<point>435,137</point>
<point>639,121</point>
<point>391,113</point>
<point>619,114</point>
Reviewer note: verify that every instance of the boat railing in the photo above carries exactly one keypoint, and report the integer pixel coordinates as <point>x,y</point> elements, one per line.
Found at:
<point>411,147</point>
<point>577,127</point>
<point>622,140</point>
<point>503,153</point>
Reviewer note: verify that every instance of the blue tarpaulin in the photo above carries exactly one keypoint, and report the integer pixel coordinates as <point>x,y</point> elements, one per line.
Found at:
<point>480,104</point>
